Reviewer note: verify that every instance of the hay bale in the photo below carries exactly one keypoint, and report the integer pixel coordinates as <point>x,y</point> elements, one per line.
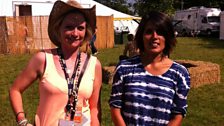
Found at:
<point>108,73</point>
<point>201,72</point>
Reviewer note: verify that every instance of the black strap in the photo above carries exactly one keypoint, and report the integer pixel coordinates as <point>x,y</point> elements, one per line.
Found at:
<point>70,81</point>
<point>78,83</point>
<point>83,70</point>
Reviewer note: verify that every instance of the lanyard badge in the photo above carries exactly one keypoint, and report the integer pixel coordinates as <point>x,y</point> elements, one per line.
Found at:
<point>73,109</point>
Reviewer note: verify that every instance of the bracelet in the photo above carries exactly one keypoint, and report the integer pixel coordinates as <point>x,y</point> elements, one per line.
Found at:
<point>23,122</point>
<point>17,114</point>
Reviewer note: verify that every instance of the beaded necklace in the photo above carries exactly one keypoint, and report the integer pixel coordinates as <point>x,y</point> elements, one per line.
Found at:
<point>72,88</point>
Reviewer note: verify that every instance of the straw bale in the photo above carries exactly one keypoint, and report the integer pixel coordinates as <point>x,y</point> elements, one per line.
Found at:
<point>108,73</point>
<point>202,72</point>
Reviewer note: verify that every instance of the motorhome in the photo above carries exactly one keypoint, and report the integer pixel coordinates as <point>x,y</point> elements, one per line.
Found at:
<point>198,20</point>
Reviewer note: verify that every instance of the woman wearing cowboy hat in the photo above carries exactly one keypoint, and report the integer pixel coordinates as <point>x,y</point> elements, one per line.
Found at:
<point>69,80</point>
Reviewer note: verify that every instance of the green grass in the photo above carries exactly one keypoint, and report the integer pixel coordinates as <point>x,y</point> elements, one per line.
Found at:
<point>205,103</point>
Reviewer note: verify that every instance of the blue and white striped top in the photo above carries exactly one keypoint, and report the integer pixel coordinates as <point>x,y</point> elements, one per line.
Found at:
<point>148,100</point>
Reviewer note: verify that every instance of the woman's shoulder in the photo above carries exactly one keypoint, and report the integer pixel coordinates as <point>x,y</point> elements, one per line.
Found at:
<point>40,56</point>
<point>37,62</point>
<point>98,63</point>
<point>130,61</point>
<point>182,73</point>
<point>92,59</point>
<point>179,67</point>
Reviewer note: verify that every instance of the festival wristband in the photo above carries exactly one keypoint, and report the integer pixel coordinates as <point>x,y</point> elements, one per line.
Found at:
<point>17,114</point>
<point>23,122</point>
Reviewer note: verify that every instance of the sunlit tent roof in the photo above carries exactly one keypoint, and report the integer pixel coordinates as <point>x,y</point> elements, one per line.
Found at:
<point>8,6</point>
<point>122,21</point>
<point>102,10</point>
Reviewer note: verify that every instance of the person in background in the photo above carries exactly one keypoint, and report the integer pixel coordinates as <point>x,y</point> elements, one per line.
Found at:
<point>150,89</point>
<point>26,40</point>
<point>92,45</point>
<point>69,80</point>
<point>130,49</point>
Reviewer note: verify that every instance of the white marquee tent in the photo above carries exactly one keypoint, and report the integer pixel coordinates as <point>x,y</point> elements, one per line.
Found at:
<point>122,21</point>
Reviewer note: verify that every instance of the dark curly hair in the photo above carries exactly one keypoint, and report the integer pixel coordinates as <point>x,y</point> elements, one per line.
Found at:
<point>161,23</point>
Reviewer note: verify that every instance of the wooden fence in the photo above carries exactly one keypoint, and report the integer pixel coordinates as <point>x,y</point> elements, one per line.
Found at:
<point>26,34</point>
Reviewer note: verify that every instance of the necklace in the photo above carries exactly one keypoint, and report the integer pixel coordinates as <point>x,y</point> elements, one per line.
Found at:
<point>72,88</point>
<point>68,71</point>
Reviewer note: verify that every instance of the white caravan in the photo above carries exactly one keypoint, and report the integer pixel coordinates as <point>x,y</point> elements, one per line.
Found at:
<point>198,20</point>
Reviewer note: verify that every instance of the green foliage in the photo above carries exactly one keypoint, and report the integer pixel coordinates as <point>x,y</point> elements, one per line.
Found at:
<point>141,7</point>
<point>206,3</point>
<point>119,5</point>
<point>144,6</point>
<point>205,103</point>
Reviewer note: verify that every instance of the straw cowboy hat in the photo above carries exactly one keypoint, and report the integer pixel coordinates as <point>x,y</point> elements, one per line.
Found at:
<point>59,10</point>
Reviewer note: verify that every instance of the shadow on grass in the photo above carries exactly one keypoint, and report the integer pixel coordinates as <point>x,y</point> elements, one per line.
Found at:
<point>213,43</point>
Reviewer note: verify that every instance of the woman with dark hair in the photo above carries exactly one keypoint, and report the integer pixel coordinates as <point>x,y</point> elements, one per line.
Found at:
<point>150,89</point>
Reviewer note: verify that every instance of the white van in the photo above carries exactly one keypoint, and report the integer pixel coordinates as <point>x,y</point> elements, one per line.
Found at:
<point>199,20</point>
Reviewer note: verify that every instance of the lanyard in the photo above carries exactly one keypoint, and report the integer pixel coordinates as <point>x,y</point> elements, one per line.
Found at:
<point>70,81</point>
<point>72,91</point>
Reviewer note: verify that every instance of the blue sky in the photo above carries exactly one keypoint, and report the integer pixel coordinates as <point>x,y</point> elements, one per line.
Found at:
<point>131,1</point>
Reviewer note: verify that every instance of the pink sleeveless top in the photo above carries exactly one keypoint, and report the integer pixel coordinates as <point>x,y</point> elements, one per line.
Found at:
<point>53,92</point>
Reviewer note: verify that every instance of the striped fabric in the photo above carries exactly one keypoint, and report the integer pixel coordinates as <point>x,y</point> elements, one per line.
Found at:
<point>148,100</point>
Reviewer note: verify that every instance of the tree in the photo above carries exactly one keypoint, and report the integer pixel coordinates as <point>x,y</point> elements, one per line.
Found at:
<point>119,5</point>
<point>192,3</point>
<point>143,6</point>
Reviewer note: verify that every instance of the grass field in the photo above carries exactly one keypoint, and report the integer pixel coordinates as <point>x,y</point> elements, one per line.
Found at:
<point>205,103</point>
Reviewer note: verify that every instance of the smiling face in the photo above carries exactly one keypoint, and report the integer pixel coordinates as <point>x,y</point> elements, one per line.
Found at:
<point>155,34</point>
<point>73,30</point>
<point>153,41</point>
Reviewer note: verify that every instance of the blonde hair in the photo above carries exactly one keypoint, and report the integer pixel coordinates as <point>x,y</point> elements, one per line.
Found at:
<point>58,23</point>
